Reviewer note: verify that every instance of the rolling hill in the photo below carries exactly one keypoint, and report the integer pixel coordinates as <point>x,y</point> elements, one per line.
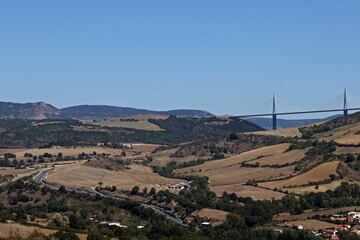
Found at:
<point>173,130</point>
<point>41,110</point>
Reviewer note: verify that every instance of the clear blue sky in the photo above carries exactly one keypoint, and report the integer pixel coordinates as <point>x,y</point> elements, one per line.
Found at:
<point>221,56</point>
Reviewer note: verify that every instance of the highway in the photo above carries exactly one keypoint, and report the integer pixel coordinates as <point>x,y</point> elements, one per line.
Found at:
<point>40,177</point>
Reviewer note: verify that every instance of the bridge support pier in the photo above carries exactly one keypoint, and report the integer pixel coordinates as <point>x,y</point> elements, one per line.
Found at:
<point>274,121</point>
<point>274,117</point>
<point>345,104</point>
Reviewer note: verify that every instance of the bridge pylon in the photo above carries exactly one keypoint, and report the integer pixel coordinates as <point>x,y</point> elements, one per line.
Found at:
<point>346,111</point>
<point>274,115</point>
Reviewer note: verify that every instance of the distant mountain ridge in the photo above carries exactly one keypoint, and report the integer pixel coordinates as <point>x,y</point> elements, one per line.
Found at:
<point>288,123</point>
<point>42,110</point>
<point>36,111</point>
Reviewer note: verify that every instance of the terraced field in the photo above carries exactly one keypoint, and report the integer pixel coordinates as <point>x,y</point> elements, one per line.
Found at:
<point>282,158</point>
<point>237,159</point>
<point>242,190</point>
<point>228,174</point>
<point>345,150</point>
<point>345,135</point>
<point>316,174</point>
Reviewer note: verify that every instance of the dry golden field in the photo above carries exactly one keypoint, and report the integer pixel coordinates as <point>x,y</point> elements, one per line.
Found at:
<point>144,148</point>
<point>6,229</point>
<point>236,174</point>
<point>345,150</point>
<point>310,224</point>
<point>345,135</point>
<point>10,150</point>
<point>316,174</point>
<point>282,158</point>
<point>211,214</point>
<point>13,171</point>
<point>311,213</point>
<point>142,122</point>
<point>14,229</point>
<point>321,188</point>
<point>69,151</point>
<point>81,176</point>
<point>241,190</point>
<point>163,157</point>
<point>228,175</point>
<point>282,132</point>
<point>237,159</point>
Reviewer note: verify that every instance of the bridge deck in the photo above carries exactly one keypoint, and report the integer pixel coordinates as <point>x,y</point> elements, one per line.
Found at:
<point>297,113</point>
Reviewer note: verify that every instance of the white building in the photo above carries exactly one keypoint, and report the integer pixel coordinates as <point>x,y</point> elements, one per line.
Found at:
<point>179,186</point>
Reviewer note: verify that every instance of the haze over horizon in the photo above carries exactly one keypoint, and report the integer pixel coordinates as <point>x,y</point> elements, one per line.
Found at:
<point>224,58</point>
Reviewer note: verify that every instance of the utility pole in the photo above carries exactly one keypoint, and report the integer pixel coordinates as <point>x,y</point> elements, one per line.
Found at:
<point>274,114</point>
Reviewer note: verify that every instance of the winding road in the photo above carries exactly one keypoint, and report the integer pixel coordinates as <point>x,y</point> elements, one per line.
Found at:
<point>40,177</point>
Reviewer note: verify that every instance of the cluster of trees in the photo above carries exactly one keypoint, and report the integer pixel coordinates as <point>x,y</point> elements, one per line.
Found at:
<point>64,133</point>
<point>309,132</point>
<point>246,214</point>
<point>352,161</point>
<point>167,171</point>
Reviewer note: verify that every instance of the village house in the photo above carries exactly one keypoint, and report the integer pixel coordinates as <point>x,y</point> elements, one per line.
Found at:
<point>342,228</point>
<point>353,216</point>
<point>356,230</point>
<point>331,234</point>
<point>339,218</point>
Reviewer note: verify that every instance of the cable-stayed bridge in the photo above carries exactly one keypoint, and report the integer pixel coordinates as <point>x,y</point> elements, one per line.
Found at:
<point>345,110</point>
